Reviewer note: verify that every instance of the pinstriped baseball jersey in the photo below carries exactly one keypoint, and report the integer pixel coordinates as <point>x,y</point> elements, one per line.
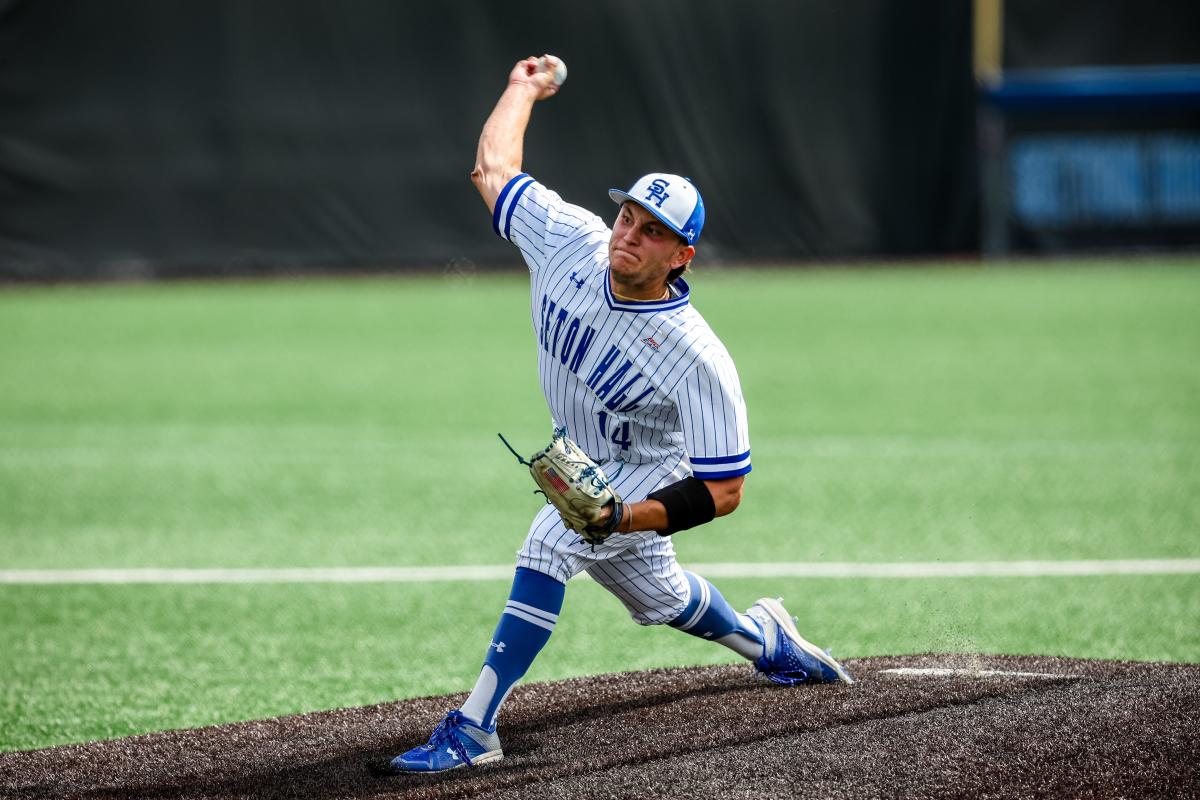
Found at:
<point>633,381</point>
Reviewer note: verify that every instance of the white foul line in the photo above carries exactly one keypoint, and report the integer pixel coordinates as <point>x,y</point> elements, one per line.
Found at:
<point>794,569</point>
<point>953,569</point>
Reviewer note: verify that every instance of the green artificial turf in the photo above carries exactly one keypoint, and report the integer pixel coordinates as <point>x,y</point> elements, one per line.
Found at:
<point>917,414</point>
<point>87,662</point>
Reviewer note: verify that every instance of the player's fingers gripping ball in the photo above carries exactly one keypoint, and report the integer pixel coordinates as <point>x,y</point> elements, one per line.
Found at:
<point>577,487</point>
<point>555,66</point>
<point>544,73</point>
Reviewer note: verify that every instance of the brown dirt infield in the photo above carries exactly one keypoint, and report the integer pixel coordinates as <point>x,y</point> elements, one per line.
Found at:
<point>1095,729</point>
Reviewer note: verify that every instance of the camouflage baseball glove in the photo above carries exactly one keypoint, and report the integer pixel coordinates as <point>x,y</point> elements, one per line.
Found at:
<point>576,486</point>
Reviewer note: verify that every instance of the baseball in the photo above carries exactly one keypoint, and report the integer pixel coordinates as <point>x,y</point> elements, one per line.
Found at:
<point>560,72</point>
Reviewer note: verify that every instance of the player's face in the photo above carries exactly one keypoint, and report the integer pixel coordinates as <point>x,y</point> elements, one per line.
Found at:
<point>642,250</point>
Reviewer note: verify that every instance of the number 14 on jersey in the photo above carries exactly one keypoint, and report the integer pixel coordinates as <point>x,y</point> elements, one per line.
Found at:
<point>620,433</point>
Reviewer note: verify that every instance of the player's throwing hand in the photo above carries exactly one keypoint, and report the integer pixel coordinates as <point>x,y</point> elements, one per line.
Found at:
<point>540,74</point>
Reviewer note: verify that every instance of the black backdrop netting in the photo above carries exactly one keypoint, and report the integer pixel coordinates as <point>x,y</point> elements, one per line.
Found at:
<point>159,137</point>
<point>1076,33</point>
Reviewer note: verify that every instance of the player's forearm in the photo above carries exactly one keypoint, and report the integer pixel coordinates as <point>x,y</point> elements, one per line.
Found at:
<point>651,515</point>
<point>644,515</point>
<point>502,142</point>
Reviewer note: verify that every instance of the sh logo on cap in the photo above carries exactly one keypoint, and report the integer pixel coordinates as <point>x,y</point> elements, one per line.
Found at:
<point>658,191</point>
<point>674,199</point>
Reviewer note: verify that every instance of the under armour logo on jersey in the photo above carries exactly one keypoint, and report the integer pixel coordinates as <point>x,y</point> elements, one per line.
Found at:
<point>499,647</point>
<point>577,281</point>
<point>649,342</point>
<point>658,191</point>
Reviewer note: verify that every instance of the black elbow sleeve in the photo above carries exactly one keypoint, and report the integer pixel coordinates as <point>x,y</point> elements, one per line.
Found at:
<point>688,502</point>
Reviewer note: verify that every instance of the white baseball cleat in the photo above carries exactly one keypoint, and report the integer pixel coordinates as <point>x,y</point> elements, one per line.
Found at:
<point>788,658</point>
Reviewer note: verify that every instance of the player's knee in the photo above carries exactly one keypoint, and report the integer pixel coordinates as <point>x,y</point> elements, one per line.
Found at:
<point>644,619</point>
<point>658,616</point>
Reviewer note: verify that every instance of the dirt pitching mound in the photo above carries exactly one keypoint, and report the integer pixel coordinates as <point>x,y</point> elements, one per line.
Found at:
<point>913,726</point>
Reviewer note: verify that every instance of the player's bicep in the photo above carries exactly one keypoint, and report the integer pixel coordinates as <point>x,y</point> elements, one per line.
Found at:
<point>537,220</point>
<point>491,183</point>
<point>726,493</point>
<point>716,431</point>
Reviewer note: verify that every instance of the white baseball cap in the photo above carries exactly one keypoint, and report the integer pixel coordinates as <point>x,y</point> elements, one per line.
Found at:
<point>674,199</point>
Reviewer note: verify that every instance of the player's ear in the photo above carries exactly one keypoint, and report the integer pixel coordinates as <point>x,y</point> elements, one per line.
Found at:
<point>683,255</point>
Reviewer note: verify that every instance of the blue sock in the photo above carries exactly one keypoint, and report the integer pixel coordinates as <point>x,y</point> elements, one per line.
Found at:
<point>708,615</point>
<point>525,626</point>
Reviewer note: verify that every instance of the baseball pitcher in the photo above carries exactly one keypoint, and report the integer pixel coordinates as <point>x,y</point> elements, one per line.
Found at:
<point>650,432</point>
